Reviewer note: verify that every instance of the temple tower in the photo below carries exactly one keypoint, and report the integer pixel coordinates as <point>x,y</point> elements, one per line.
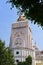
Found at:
<point>21,40</point>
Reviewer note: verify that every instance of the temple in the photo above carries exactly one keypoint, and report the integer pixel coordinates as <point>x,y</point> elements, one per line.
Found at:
<point>21,42</point>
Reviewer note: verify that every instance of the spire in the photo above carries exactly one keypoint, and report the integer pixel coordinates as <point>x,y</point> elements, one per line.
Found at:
<point>22,17</point>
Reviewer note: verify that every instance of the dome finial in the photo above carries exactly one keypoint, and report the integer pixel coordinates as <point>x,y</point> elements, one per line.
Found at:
<point>22,17</point>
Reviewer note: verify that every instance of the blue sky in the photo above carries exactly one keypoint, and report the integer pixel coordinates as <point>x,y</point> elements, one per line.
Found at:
<point>7,17</point>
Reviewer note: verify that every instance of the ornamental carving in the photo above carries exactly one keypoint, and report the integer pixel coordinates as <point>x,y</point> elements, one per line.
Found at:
<point>18,34</point>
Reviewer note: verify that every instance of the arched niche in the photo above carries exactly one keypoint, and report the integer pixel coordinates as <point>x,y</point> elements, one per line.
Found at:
<point>19,42</point>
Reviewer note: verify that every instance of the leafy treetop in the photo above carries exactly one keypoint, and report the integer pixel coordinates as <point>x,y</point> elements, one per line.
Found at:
<point>33,9</point>
<point>6,56</point>
<point>28,61</point>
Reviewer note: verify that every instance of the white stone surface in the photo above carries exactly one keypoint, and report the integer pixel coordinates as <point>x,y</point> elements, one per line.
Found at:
<point>21,40</point>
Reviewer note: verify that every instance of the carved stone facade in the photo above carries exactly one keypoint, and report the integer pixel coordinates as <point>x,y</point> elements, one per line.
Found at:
<point>21,40</point>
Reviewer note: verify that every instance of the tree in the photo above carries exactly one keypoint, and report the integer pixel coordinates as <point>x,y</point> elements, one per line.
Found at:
<point>21,63</point>
<point>6,56</point>
<point>28,61</point>
<point>33,9</point>
<point>9,57</point>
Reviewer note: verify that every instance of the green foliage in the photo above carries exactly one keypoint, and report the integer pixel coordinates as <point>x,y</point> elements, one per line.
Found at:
<point>2,53</point>
<point>9,57</point>
<point>27,62</point>
<point>21,63</point>
<point>6,56</point>
<point>33,9</point>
